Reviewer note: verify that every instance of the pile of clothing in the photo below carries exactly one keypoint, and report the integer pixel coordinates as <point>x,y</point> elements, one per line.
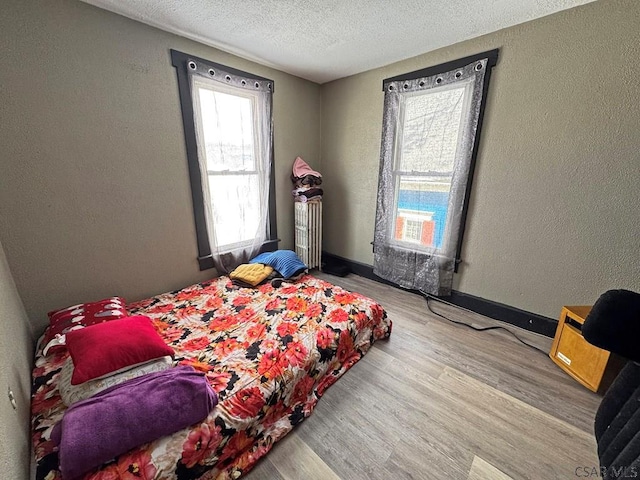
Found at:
<point>274,267</point>
<point>305,182</point>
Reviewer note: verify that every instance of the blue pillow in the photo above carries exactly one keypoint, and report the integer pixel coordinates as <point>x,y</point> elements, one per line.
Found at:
<point>284,261</point>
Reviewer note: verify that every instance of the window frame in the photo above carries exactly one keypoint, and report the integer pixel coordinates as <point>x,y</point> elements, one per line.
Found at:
<point>180,62</point>
<point>492,59</point>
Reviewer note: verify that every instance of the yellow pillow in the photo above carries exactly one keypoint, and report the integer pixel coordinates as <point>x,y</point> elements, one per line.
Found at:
<point>251,273</point>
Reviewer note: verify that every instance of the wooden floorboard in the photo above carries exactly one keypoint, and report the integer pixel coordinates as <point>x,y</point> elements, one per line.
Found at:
<point>438,400</point>
<point>481,470</point>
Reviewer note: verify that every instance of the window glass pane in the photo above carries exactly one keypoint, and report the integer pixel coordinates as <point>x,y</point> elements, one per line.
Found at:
<point>236,207</point>
<point>425,200</point>
<point>428,140</point>
<point>227,127</point>
<point>430,130</point>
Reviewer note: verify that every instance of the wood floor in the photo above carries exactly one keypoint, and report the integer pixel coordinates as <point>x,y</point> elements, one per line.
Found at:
<point>441,401</point>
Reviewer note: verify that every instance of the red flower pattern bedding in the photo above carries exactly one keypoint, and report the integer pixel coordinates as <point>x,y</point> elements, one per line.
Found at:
<point>269,353</point>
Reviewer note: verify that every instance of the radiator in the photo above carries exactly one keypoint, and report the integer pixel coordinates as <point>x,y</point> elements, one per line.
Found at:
<point>308,226</point>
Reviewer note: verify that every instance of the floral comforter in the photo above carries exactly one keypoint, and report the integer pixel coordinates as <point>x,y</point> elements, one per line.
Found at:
<point>269,353</point>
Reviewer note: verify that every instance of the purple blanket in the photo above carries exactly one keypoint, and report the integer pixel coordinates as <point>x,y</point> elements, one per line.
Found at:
<point>125,416</point>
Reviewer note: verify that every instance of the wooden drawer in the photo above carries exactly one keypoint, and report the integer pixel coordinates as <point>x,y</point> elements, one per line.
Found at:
<point>581,359</point>
<point>591,366</point>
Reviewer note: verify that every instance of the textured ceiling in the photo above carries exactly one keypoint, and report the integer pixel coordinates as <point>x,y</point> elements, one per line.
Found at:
<point>322,40</point>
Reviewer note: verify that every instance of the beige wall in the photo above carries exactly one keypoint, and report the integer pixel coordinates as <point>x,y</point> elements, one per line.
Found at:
<point>16,350</point>
<point>555,210</point>
<point>94,187</point>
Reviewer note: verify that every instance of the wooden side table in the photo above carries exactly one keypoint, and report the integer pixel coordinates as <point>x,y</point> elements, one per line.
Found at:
<point>591,366</point>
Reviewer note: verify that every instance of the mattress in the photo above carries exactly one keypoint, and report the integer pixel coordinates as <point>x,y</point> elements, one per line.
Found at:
<point>269,353</point>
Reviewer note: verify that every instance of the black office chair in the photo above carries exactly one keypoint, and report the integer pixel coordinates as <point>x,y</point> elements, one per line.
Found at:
<point>614,324</point>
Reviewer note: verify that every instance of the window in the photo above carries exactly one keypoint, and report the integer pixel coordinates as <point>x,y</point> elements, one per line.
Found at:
<point>426,145</point>
<point>225,123</point>
<point>228,132</point>
<point>412,230</point>
<point>431,125</point>
<point>415,226</point>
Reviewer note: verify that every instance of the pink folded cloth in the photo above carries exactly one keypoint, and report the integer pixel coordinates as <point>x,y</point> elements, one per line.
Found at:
<point>302,169</point>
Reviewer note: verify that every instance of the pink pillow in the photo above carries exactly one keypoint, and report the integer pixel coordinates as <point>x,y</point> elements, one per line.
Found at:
<point>80,316</point>
<point>104,348</point>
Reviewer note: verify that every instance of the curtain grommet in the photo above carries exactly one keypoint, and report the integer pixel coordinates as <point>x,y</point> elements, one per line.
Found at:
<point>192,65</point>
<point>212,72</point>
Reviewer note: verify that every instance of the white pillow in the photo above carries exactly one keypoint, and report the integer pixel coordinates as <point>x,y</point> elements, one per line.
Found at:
<point>74,393</point>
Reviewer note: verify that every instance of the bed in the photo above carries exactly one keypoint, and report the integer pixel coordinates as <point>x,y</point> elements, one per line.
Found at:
<point>269,354</point>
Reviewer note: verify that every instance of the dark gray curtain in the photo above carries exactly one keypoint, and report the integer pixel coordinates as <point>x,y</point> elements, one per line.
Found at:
<point>428,136</point>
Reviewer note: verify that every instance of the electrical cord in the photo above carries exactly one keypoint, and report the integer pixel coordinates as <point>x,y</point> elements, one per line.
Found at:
<point>428,297</point>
